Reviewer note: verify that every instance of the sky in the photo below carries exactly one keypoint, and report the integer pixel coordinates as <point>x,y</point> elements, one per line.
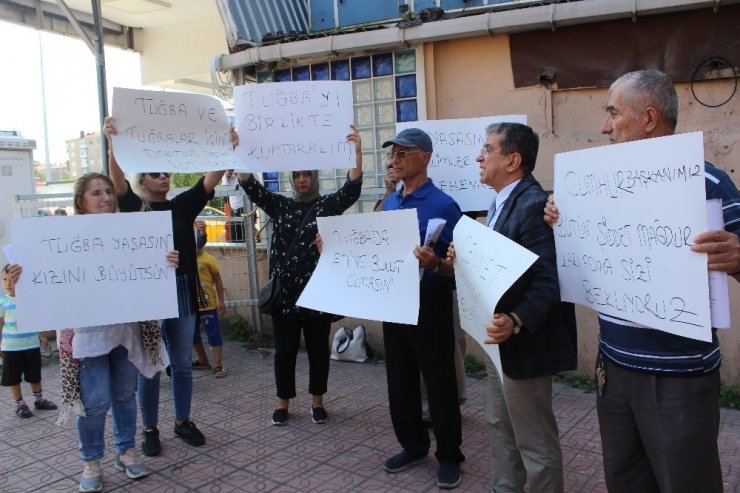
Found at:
<point>71,86</point>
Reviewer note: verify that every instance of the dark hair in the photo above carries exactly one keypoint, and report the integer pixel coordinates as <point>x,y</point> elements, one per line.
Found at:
<point>6,268</point>
<point>81,187</point>
<point>519,138</point>
<point>644,88</point>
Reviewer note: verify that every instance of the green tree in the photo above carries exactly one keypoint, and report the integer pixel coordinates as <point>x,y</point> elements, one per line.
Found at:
<point>185,180</point>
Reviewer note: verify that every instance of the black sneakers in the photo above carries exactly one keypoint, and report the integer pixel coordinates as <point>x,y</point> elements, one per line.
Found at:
<point>150,445</point>
<point>318,415</point>
<point>44,405</point>
<point>188,432</point>
<point>401,462</point>
<point>279,417</point>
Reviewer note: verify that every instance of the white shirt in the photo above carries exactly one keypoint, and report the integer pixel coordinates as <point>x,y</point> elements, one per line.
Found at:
<point>500,199</point>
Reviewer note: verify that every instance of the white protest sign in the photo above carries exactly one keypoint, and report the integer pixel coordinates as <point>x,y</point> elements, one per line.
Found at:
<point>93,269</point>
<point>367,267</point>
<point>628,216</point>
<point>289,126</point>
<point>719,294</point>
<point>486,265</point>
<point>453,168</point>
<point>170,131</point>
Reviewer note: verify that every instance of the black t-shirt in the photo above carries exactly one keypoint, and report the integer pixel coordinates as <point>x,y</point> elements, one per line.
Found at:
<point>185,208</point>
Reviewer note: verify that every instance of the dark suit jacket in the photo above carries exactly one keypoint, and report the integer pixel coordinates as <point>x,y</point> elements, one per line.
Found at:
<point>546,344</point>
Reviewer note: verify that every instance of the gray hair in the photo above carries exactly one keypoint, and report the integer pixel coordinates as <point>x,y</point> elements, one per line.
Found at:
<point>654,88</point>
<point>516,137</point>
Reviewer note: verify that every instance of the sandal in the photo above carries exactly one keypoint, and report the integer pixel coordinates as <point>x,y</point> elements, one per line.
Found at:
<point>220,372</point>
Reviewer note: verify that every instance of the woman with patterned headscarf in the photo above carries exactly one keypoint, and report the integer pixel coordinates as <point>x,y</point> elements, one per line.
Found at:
<point>293,258</point>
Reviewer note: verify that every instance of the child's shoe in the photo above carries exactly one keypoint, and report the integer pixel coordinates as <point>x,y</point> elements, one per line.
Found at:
<point>92,477</point>
<point>130,462</point>
<point>23,412</point>
<point>45,405</point>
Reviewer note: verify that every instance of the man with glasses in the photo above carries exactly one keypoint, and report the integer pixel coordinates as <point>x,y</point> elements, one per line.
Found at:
<point>429,346</point>
<point>534,331</point>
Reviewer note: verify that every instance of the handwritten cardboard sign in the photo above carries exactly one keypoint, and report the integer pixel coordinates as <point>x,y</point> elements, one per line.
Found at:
<point>93,269</point>
<point>367,267</point>
<point>289,126</point>
<point>486,265</point>
<point>453,168</point>
<point>628,216</point>
<point>170,131</point>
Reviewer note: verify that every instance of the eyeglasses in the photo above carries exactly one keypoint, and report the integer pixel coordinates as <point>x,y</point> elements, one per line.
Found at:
<point>486,150</point>
<point>400,154</point>
<point>157,175</point>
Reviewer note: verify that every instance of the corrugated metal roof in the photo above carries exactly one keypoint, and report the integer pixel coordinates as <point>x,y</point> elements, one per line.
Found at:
<point>248,21</point>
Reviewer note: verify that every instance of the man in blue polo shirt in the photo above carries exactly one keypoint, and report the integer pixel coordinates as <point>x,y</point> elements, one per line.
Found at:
<point>429,346</point>
<point>658,401</point>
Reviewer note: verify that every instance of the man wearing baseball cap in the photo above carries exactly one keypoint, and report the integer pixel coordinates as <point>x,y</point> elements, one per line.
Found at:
<point>429,346</point>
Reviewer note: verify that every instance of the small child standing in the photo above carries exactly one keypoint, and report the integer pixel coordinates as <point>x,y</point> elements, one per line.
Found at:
<point>211,306</point>
<point>21,351</point>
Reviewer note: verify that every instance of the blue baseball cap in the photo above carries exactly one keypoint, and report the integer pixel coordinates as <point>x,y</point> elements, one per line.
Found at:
<point>411,137</point>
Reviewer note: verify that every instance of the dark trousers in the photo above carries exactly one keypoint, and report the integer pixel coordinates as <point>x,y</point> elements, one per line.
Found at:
<point>659,432</point>
<point>429,348</point>
<point>287,334</point>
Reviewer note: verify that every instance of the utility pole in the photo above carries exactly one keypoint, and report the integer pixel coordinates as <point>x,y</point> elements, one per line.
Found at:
<point>102,91</point>
<point>43,110</point>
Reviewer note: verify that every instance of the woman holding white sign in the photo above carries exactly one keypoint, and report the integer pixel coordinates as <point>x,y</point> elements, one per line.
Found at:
<point>293,258</point>
<point>150,193</point>
<point>99,365</point>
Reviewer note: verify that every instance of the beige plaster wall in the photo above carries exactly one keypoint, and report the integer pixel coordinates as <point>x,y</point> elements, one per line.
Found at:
<point>473,77</point>
<point>180,51</point>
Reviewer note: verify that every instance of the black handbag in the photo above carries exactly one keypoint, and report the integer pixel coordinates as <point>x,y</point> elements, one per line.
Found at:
<point>271,296</point>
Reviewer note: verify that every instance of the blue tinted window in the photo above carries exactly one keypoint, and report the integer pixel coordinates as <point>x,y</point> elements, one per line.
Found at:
<point>282,75</point>
<point>340,70</point>
<point>271,181</point>
<point>361,67</point>
<point>406,110</point>
<point>382,64</point>
<point>301,73</point>
<point>320,71</point>
<point>406,86</point>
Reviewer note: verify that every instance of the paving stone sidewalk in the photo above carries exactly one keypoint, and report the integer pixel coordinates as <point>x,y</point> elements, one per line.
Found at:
<point>243,452</point>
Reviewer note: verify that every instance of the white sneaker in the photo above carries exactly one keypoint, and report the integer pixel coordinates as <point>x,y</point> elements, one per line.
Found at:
<point>92,477</point>
<point>130,462</point>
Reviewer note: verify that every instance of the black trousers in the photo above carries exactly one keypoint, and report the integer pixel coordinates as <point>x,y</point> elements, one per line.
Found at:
<point>429,348</point>
<point>287,334</point>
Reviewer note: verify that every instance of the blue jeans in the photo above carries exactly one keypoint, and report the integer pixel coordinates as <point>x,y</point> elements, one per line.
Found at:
<point>107,381</point>
<point>178,336</point>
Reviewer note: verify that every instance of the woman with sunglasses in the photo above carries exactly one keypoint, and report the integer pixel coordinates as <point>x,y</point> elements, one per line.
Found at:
<point>148,192</point>
<point>295,229</point>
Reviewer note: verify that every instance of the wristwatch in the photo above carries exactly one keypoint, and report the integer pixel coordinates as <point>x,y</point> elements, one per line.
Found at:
<point>439,264</point>
<point>517,327</point>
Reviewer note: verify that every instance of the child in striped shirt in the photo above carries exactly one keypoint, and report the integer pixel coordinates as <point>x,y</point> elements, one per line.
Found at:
<point>20,351</point>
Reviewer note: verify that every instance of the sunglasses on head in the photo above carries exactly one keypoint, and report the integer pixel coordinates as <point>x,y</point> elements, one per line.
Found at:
<point>156,175</point>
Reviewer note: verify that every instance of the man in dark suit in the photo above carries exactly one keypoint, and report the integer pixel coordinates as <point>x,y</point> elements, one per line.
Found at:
<point>535,332</point>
